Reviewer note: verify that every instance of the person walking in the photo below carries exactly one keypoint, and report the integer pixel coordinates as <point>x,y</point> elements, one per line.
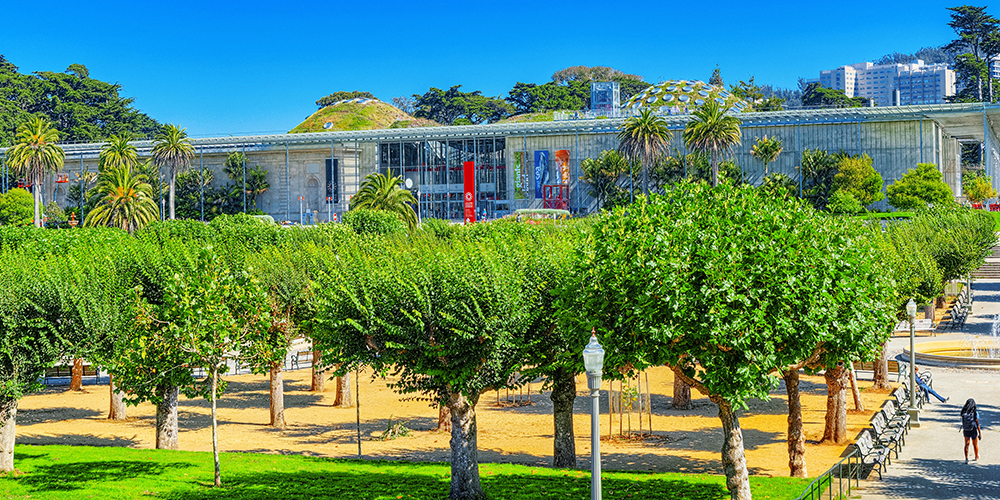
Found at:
<point>970,427</point>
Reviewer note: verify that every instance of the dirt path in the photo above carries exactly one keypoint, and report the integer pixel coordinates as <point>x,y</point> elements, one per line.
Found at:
<point>685,441</point>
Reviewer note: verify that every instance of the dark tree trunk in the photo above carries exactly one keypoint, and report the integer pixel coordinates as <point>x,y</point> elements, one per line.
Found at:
<point>835,429</point>
<point>881,370</point>
<point>318,377</point>
<point>117,410</point>
<point>464,453</point>
<point>444,419</point>
<point>343,398</point>
<point>734,460</point>
<point>563,395</point>
<point>8,427</point>
<point>858,404</point>
<point>277,396</point>
<point>215,427</point>
<point>682,394</point>
<point>166,417</point>
<point>796,439</point>
<point>76,378</point>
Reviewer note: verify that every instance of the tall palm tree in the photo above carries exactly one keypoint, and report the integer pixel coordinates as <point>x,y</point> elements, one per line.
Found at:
<point>117,152</point>
<point>644,138</point>
<point>379,192</point>
<point>34,154</point>
<point>712,131</point>
<point>766,150</point>
<point>126,200</point>
<point>172,148</point>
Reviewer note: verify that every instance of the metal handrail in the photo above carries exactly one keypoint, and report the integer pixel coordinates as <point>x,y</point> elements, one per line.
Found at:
<point>824,483</point>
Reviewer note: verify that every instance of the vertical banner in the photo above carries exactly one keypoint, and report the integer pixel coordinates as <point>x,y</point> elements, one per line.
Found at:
<point>519,175</point>
<point>541,171</point>
<point>469,176</point>
<point>331,181</point>
<point>562,159</point>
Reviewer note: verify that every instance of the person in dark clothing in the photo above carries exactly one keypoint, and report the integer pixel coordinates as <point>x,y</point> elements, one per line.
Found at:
<point>970,427</point>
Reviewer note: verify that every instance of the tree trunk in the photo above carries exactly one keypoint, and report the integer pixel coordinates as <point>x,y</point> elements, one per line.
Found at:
<point>215,426</point>
<point>277,396</point>
<point>117,410</point>
<point>8,417</point>
<point>166,417</point>
<point>444,419</point>
<point>645,179</point>
<point>36,192</point>
<point>835,429</point>
<point>858,404</point>
<point>343,398</point>
<point>173,183</point>
<point>734,460</point>
<point>562,396</point>
<point>318,377</point>
<point>796,439</point>
<point>682,395</point>
<point>76,378</point>
<point>881,369</point>
<point>464,452</point>
<point>715,167</point>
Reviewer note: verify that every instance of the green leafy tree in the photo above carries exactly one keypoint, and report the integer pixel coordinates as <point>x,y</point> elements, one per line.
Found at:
<point>818,170</point>
<point>604,175</point>
<point>766,150</point>
<point>713,132</point>
<point>857,176</point>
<point>646,139</point>
<point>591,74</point>
<point>716,78</point>
<point>818,96</point>
<point>755,98</point>
<point>448,318</point>
<point>34,154</point>
<point>719,333</point>
<point>450,106</point>
<point>843,202</point>
<point>978,188</point>
<point>974,28</point>
<point>16,207</point>
<point>958,239</point>
<point>172,149</point>
<point>380,192</point>
<point>919,188</point>
<point>779,185</point>
<point>126,200</point>
<point>532,98</point>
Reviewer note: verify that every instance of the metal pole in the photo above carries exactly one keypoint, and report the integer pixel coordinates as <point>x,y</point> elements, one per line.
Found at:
<point>801,173</point>
<point>81,187</point>
<point>914,412</point>
<point>921,140</point>
<point>357,405</point>
<point>288,215</point>
<point>595,445</point>
<point>202,187</point>
<point>243,148</point>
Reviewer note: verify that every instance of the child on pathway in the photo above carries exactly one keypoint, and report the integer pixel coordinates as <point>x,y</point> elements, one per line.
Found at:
<point>970,427</point>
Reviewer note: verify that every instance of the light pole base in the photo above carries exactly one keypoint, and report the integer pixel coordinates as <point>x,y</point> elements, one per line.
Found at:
<point>914,417</point>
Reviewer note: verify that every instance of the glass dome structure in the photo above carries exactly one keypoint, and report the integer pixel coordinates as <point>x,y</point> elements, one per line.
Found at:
<point>678,97</point>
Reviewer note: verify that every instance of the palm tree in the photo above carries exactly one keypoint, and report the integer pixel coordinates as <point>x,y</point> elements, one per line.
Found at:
<point>644,138</point>
<point>34,154</point>
<point>379,192</point>
<point>766,150</point>
<point>126,200</point>
<point>173,149</point>
<point>117,152</point>
<point>712,131</point>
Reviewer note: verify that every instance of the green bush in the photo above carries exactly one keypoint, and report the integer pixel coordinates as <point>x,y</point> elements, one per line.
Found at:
<point>920,188</point>
<point>17,208</point>
<point>779,185</point>
<point>441,229</point>
<point>857,176</point>
<point>364,221</point>
<point>843,202</point>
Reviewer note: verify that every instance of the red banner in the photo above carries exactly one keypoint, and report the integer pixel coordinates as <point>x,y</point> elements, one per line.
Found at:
<point>469,171</point>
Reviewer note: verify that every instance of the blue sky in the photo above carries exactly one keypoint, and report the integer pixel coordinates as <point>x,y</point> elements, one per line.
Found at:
<point>254,66</point>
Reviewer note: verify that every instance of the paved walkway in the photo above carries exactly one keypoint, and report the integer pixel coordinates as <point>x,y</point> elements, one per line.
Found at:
<point>932,464</point>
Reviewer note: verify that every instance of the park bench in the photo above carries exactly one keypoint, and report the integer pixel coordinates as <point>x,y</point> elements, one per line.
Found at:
<point>896,416</point>
<point>869,366</point>
<point>301,358</point>
<point>64,370</point>
<point>959,312</point>
<point>877,456</point>
<point>890,437</point>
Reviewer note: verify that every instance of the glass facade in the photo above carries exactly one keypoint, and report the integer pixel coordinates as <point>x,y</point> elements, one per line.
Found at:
<point>435,170</point>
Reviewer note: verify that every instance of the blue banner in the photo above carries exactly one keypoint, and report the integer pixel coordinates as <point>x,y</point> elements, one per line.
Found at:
<point>541,171</point>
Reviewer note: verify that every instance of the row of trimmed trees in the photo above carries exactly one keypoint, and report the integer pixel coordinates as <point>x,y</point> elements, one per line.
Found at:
<point>729,286</point>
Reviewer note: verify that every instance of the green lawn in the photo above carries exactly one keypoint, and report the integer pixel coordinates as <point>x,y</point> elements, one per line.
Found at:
<point>83,472</point>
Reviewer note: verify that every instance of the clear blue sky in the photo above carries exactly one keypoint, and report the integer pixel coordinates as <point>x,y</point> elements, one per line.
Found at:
<point>253,66</point>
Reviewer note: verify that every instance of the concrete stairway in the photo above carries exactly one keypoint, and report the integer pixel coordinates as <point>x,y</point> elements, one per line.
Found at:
<point>990,270</point>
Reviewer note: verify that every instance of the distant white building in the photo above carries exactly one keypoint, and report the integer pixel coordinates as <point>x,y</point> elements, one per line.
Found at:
<point>917,83</point>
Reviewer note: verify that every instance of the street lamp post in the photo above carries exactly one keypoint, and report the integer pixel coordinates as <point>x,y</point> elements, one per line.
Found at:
<point>911,311</point>
<point>593,361</point>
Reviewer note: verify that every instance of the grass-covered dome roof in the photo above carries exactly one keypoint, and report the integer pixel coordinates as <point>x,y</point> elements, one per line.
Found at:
<point>681,96</point>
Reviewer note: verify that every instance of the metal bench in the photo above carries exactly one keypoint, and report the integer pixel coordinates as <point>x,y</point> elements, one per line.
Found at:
<point>877,456</point>
<point>884,435</point>
<point>869,366</point>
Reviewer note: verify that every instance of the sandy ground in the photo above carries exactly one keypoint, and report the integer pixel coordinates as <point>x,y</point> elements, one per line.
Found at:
<point>686,441</point>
